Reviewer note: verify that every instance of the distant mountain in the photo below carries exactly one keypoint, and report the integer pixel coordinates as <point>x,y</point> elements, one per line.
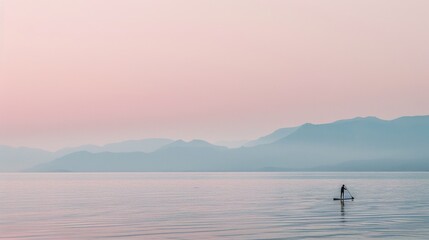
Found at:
<point>359,144</point>
<point>231,144</point>
<point>275,136</point>
<point>196,155</point>
<point>365,134</point>
<point>17,159</point>
<point>194,144</point>
<point>356,139</point>
<point>83,148</point>
<point>144,145</point>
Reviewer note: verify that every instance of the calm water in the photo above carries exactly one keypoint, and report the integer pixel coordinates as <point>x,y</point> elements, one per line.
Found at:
<point>213,206</point>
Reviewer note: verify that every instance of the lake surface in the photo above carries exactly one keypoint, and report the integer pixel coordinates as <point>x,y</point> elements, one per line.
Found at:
<point>213,206</point>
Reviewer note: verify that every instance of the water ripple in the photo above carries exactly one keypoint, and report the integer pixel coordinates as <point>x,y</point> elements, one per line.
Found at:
<point>213,206</point>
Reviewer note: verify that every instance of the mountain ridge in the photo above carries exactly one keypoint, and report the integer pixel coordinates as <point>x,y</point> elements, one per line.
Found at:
<point>347,142</point>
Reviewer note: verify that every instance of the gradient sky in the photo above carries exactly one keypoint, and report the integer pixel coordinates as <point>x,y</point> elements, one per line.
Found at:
<point>97,71</point>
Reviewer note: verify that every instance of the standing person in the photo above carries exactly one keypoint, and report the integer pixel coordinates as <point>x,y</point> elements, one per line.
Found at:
<point>342,191</point>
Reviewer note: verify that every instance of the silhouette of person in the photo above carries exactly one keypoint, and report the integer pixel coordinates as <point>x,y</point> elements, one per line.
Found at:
<point>342,191</point>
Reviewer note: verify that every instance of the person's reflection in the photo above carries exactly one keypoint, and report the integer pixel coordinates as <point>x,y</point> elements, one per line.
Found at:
<point>343,213</point>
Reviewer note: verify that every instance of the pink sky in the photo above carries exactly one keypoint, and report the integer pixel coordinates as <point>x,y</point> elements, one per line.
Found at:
<point>97,71</point>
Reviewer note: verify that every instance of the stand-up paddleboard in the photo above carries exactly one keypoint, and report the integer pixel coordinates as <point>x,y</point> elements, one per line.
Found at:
<point>343,199</point>
<point>349,197</point>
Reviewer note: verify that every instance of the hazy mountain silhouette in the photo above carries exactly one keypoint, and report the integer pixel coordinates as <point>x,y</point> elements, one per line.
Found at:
<point>275,136</point>
<point>144,145</point>
<point>366,137</point>
<point>17,159</point>
<point>194,144</point>
<point>347,140</point>
<point>83,148</point>
<point>355,144</point>
<point>231,144</point>
<point>196,155</point>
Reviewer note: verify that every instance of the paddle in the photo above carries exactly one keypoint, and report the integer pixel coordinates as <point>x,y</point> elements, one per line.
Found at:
<point>350,194</point>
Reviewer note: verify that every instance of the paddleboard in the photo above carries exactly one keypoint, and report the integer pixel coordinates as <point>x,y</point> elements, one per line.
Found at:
<point>336,199</point>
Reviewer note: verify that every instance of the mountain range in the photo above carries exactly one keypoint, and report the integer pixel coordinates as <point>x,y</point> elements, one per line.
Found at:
<point>359,144</point>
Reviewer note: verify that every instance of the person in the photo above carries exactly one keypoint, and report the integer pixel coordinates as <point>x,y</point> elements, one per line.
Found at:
<point>342,191</point>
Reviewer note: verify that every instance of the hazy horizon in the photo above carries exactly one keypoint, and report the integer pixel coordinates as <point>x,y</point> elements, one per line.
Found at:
<point>218,142</point>
<point>97,71</point>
